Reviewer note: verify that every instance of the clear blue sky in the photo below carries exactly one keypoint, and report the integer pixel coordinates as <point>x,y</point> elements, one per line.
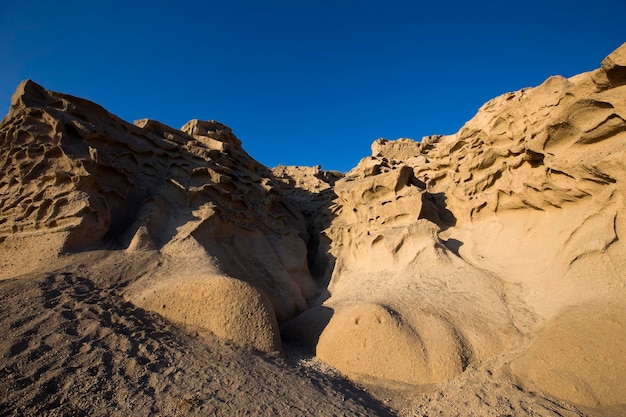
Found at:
<point>302,82</point>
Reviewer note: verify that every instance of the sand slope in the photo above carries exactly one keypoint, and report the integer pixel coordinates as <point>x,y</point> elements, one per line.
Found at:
<point>72,346</point>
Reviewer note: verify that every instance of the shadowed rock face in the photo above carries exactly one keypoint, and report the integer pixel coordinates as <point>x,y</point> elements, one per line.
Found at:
<point>494,247</point>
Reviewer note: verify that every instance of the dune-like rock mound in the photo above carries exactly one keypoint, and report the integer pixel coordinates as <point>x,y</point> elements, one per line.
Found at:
<point>229,308</point>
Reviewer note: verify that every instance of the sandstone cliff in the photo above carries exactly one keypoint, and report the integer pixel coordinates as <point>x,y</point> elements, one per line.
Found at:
<point>501,241</point>
<point>498,249</point>
<point>77,178</point>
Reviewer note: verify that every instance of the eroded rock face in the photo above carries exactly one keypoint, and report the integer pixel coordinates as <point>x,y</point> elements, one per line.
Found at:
<point>501,246</point>
<point>463,247</point>
<point>311,191</point>
<point>76,178</point>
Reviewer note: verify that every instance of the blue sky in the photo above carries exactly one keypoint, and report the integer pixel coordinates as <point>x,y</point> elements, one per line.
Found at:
<point>302,82</point>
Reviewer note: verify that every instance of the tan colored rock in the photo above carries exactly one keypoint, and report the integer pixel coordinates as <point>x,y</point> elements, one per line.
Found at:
<point>212,134</point>
<point>390,273</point>
<point>400,149</point>
<point>457,312</point>
<point>495,236</point>
<point>615,66</point>
<point>374,343</point>
<point>577,356</point>
<point>77,178</point>
<point>229,308</point>
<point>465,263</point>
<point>311,190</point>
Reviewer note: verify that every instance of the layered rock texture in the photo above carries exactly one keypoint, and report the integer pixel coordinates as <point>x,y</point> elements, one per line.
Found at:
<point>501,241</point>
<point>77,178</point>
<point>499,248</point>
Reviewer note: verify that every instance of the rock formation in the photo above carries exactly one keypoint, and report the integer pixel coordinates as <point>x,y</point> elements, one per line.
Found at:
<point>77,178</point>
<point>502,240</point>
<point>500,247</point>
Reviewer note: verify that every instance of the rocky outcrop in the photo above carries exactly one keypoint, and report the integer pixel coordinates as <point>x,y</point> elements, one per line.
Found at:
<point>499,248</point>
<point>76,178</point>
<point>394,279</point>
<point>490,243</point>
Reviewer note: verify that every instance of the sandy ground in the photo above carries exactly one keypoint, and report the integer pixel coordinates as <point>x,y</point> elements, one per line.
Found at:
<point>73,346</point>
